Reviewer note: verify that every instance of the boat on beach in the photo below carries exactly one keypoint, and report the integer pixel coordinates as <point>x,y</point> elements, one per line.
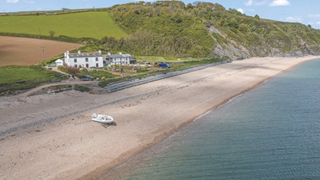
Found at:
<point>102,118</point>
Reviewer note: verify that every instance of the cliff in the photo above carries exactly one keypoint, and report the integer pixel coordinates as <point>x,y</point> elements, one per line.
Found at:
<point>172,28</point>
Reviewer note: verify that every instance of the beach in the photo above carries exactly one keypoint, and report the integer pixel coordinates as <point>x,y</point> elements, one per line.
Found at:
<point>52,136</point>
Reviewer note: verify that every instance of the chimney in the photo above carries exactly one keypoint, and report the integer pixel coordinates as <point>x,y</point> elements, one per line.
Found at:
<point>67,52</point>
<point>120,53</point>
<point>79,52</point>
<point>100,51</point>
<point>109,53</point>
<point>65,55</point>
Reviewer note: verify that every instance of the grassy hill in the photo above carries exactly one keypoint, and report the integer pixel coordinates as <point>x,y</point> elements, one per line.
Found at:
<point>201,29</point>
<point>87,24</point>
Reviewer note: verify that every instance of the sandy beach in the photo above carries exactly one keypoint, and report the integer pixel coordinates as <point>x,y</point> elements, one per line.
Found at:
<point>52,136</point>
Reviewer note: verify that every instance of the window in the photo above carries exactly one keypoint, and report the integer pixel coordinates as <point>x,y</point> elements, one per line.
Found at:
<point>87,60</point>
<point>87,65</point>
<point>97,65</point>
<point>75,65</point>
<point>120,59</point>
<point>96,59</point>
<point>75,60</point>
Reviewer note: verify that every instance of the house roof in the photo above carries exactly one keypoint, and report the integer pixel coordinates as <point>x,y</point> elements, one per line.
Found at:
<point>106,56</point>
<point>73,55</point>
<point>116,56</point>
<point>59,60</point>
<point>126,55</point>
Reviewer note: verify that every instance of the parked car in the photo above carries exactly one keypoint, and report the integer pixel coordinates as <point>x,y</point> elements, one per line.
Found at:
<point>164,65</point>
<point>48,67</point>
<point>86,78</point>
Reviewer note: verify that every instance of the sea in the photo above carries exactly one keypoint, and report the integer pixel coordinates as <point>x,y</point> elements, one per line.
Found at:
<point>271,132</point>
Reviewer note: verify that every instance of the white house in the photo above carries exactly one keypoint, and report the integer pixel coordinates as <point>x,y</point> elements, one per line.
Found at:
<point>83,59</point>
<point>59,62</point>
<point>120,58</point>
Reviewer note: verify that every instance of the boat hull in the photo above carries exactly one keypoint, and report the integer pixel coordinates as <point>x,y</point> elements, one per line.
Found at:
<point>103,119</point>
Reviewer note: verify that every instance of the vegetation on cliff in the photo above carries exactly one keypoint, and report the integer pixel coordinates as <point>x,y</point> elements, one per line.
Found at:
<point>172,28</point>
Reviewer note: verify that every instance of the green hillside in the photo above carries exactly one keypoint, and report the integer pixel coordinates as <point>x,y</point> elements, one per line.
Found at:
<point>201,29</point>
<point>87,24</point>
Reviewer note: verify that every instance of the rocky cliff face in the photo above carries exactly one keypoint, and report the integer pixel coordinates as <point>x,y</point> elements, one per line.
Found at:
<point>236,51</point>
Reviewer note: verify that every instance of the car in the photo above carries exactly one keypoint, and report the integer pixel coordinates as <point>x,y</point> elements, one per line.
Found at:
<point>48,67</point>
<point>164,65</point>
<point>86,78</point>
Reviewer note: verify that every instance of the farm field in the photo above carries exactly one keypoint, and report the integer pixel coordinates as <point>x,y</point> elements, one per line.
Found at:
<point>26,51</point>
<point>86,24</point>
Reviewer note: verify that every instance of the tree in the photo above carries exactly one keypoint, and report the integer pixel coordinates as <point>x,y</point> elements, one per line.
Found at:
<point>234,23</point>
<point>218,7</point>
<point>243,28</point>
<point>309,26</point>
<point>189,6</point>
<point>257,17</point>
<point>52,33</point>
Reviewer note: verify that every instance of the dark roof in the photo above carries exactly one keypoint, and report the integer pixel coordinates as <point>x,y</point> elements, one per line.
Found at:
<point>116,55</point>
<point>85,55</point>
<point>106,56</point>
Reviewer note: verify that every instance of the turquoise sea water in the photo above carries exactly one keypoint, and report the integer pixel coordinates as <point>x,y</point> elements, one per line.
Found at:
<point>271,132</point>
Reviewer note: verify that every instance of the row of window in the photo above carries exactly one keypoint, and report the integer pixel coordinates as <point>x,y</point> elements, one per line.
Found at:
<point>87,60</point>
<point>87,65</point>
<point>116,59</point>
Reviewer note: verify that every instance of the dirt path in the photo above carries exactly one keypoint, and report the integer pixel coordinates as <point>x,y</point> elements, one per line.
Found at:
<point>26,94</point>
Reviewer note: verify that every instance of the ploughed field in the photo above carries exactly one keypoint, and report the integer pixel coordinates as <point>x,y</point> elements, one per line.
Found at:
<point>87,24</point>
<point>26,51</point>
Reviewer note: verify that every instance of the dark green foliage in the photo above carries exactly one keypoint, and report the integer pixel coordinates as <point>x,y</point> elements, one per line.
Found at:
<point>257,17</point>
<point>81,88</point>
<point>56,38</point>
<point>234,23</point>
<point>97,74</point>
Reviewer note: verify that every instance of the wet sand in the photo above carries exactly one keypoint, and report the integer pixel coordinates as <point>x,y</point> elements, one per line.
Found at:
<point>52,137</point>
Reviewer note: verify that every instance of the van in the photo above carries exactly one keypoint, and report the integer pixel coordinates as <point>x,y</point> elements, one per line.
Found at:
<point>164,65</point>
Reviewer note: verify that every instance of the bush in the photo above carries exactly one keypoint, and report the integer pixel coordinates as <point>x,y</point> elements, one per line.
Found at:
<point>69,69</point>
<point>82,88</point>
<point>243,28</point>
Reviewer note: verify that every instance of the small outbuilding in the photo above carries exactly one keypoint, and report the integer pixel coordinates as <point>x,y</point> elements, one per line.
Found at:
<point>59,62</point>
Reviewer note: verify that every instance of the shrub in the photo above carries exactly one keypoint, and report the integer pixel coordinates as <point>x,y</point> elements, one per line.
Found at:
<point>234,23</point>
<point>243,28</point>
<point>69,69</point>
<point>82,88</point>
<point>52,33</point>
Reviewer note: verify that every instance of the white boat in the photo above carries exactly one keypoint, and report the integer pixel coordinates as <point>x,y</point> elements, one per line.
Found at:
<point>102,118</point>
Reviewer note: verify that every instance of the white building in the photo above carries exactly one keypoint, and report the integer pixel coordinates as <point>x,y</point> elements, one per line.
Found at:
<point>59,62</point>
<point>83,59</point>
<point>120,58</point>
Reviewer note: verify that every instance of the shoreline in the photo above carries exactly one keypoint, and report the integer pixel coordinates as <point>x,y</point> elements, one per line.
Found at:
<point>114,171</point>
<point>128,140</point>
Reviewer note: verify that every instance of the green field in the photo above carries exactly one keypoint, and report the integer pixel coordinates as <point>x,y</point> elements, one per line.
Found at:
<point>87,24</point>
<point>11,74</point>
<point>24,77</point>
